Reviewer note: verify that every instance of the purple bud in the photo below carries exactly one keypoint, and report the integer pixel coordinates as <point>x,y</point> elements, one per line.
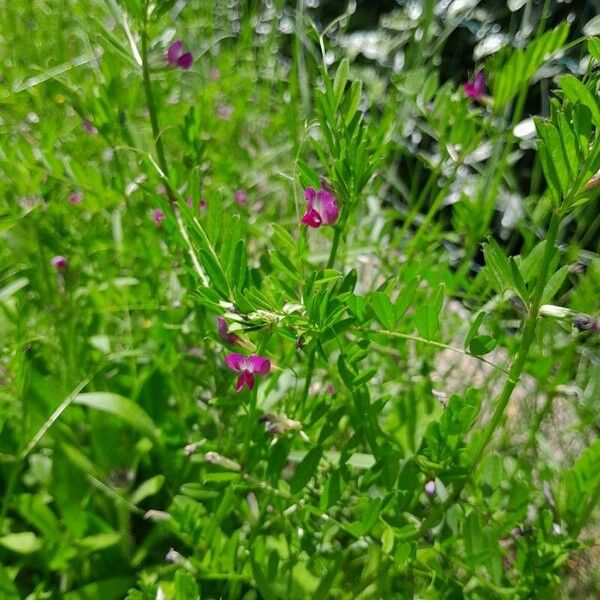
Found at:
<point>75,198</point>
<point>59,262</point>
<point>430,488</point>
<point>203,204</point>
<point>89,128</point>
<point>158,216</point>
<point>241,197</point>
<point>223,331</point>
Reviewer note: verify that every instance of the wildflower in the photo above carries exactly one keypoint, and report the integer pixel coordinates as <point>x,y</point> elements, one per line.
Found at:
<point>75,198</point>
<point>241,197</point>
<point>59,262</point>
<point>430,488</point>
<point>176,58</point>
<point>321,208</point>
<point>223,331</point>
<point>89,128</point>
<point>215,73</point>
<point>203,204</point>
<point>247,366</point>
<point>158,216</point>
<point>475,89</point>
<point>224,112</point>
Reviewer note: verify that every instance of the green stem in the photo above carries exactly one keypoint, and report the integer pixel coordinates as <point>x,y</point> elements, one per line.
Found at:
<point>511,381</point>
<point>158,143</point>
<point>309,374</point>
<point>526,341</point>
<point>334,246</point>
<point>160,152</point>
<point>249,427</point>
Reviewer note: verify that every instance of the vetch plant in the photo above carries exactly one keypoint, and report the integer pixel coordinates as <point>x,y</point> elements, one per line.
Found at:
<point>400,404</point>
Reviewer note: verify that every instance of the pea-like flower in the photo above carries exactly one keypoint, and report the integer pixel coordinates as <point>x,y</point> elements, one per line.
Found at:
<point>247,367</point>
<point>59,262</point>
<point>475,89</point>
<point>321,208</point>
<point>177,58</point>
<point>75,198</point>
<point>224,334</point>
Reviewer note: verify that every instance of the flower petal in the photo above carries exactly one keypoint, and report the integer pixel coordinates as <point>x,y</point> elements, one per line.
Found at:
<point>310,194</point>
<point>329,208</point>
<point>479,84</point>
<point>235,361</point>
<point>174,52</point>
<point>185,61</point>
<point>259,364</point>
<point>311,218</point>
<point>245,379</point>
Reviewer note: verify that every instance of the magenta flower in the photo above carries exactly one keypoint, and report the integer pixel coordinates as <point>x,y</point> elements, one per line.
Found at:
<point>89,128</point>
<point>321,208</point>
<point>247,367</point>
<point>475,89</point>
<point>177,58</point>
<point>203,204</point>
<point>158,216</point>
<point>75,198</point>
<point>59,262</point>
<point>241,197</point>
<point>223,331</point>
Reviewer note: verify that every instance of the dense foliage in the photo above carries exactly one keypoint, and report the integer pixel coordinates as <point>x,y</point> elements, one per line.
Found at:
<point>299,301</point>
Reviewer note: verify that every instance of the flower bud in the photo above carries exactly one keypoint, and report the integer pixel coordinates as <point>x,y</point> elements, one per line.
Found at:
<point>59,262</point>
<point>430,488</point>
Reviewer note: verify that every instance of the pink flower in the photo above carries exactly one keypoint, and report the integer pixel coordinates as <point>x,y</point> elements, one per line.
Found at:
<point>158,216</point>
<point>321,208</point>
<point>75,198</point>
<point>89,128</point>
<point>241,197</point>
<point>59,262</point>
<point>215,73</point>
<point>224,112</point>
<point>223,331</point>
<point>475,89</point>
<point>247,367</point>
<point>176,58</point>
<point>203,204</point>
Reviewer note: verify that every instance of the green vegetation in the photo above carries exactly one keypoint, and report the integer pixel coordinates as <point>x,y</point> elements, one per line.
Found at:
<point>299,301</point>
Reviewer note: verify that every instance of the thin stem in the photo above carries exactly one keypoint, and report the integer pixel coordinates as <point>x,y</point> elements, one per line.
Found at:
<point>526,341</point>
<point>420,340</point>
<point>511,381</point>
<point>334,246</point>
<point>160,153</point>
<point>309,373</point>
